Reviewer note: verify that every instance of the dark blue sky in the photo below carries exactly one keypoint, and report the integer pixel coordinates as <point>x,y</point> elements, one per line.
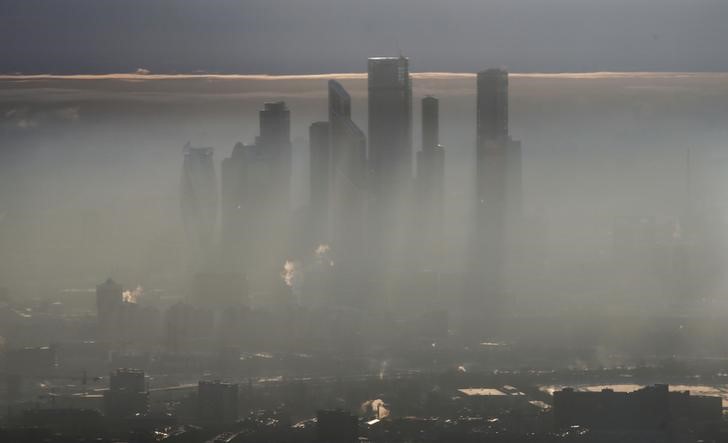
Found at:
<point>309,36</point>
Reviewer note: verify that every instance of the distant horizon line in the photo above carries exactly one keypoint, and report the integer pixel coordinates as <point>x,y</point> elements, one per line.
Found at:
<point>140,75</point>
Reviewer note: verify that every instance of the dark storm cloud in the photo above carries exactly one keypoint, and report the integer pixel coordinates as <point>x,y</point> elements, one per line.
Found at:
<point>310,36</point>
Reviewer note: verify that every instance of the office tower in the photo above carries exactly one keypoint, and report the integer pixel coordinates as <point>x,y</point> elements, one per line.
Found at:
<point>390,120</point>
<point>256,192</point>
<point>217,402</point>
<point>348,180</point>
<point>430,186</point>
<point>390,163</point>
<point>492,107</point>
<point>275,139</point>
<point>430,123</point>
<point>127,394</point>
<point>498,177</point>
<point>233,193</point>
<point>199,203</point>
<point>320,180</point>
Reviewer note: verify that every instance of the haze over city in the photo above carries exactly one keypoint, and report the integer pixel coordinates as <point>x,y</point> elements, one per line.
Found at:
<point>322,221</point>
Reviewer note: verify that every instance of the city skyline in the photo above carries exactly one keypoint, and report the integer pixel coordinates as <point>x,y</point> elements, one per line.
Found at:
<point>365,195</point>
<point>346,221</point>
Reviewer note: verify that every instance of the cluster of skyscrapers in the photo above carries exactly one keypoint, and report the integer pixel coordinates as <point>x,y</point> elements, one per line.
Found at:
<point>367,207</point>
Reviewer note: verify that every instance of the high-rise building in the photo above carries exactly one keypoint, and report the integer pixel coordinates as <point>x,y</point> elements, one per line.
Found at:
<point>199,203</point>
<point>492,107</point>
<point>256,189</point>
<point>498,187</point>
<point>348,179</point>
<point>390,163</point>
<point>430,186</point>
<point>127,394</point>
<point>390,120</point>
<point>217,402</point>
<point>234,196</point>
<point>320,180</point>
<point>275,140</point>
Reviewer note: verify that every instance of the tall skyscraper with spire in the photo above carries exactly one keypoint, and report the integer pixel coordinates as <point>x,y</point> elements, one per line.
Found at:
<point>498,187</point>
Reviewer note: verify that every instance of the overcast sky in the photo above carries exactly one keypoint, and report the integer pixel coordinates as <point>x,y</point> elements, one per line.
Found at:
<point>309,36</point>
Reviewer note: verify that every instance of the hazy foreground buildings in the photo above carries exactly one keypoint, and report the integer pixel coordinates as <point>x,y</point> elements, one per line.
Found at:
<point>651,409</point>
<point>127,394</point>
<point>217,402</point>
<point>498,188</point>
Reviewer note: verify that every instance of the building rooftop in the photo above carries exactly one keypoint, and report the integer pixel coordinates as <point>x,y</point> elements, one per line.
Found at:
<point>472,392</point>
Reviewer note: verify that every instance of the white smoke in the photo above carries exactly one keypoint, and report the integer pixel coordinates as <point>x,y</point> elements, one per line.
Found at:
<point>323,254</point>
<point>377,407</point>
<point>293,271</point>
<point>288,274</point>
<point>133,296</point>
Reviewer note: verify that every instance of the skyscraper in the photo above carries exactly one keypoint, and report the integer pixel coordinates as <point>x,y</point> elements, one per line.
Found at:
<point>256,182</point>
<point>430,123</point>
<point>430,186</point>
<point>348,178</point>
<point>199,203</point>
<point>390,162</point>
<point>492,107</point>
<point>234,187</point>
<point>320,180</point>
<point>275,140</point>
<point>498,177</point>
<point>390,119</point>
